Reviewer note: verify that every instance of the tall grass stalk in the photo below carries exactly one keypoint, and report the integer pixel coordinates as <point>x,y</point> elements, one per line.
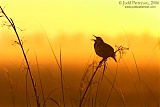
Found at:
<point>112,86</point>
<point>122,98</point>
<point>27,95</point>
<point>55,102</point>
<point>59,64</point>
<point>85,92</point>
<point>28,102</point>
<point>51,47</point>
<point>10,85</point>
<point>82,83</point>
<point>24,54</point>
<point>48,97</point>
<point>99,83</point>
<point>62,78</point>
<point>40,80</point>
<point>133,78</point>
<point>151,93</point>
<point>135,65</point>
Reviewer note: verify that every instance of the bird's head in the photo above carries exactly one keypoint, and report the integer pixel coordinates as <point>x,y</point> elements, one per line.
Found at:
<point>98,39</point>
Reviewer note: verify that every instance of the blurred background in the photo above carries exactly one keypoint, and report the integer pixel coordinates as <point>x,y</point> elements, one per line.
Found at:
<point>69,26</point>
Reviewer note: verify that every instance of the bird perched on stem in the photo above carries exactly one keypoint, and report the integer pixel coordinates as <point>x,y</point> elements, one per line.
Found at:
<point>103,49</point>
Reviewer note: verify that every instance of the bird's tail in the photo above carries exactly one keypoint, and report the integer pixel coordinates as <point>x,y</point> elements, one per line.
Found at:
<point>114,58</point>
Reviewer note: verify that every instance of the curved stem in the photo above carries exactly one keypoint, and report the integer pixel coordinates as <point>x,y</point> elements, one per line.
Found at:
<point>81,100</point>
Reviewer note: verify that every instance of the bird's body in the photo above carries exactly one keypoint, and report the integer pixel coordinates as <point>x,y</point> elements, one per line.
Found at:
<point>103,50</point>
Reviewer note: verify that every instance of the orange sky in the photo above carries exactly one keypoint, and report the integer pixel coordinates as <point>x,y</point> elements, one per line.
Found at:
<point>71,23</point>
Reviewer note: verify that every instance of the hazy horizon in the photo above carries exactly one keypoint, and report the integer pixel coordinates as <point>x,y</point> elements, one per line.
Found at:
<point>75,57</point>
<point>69,26</point>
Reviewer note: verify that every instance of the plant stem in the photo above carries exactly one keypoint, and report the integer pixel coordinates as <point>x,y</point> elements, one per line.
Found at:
<point>81,100</point>
<point>25,57</point>
<point>112,86</point>
<point>62,78</point>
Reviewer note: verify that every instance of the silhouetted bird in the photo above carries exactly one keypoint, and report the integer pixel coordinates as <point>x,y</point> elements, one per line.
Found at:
<point>103,50</point>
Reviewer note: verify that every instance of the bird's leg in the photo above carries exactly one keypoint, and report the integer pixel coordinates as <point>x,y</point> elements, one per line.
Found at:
<point>105,64</point>
<point>103,60</point>
<point>100,63</point>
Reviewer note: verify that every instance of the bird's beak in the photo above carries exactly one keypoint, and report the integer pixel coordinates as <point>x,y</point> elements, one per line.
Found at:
<point>94,39</point>
<point>94,36</point>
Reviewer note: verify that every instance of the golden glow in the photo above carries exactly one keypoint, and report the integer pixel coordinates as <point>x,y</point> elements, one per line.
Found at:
<point>100,17</point>
<point>69,25</point>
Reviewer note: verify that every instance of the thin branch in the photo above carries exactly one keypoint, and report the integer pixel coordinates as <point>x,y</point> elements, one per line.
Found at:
<point>25,57</point>
<point>90,82</point>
